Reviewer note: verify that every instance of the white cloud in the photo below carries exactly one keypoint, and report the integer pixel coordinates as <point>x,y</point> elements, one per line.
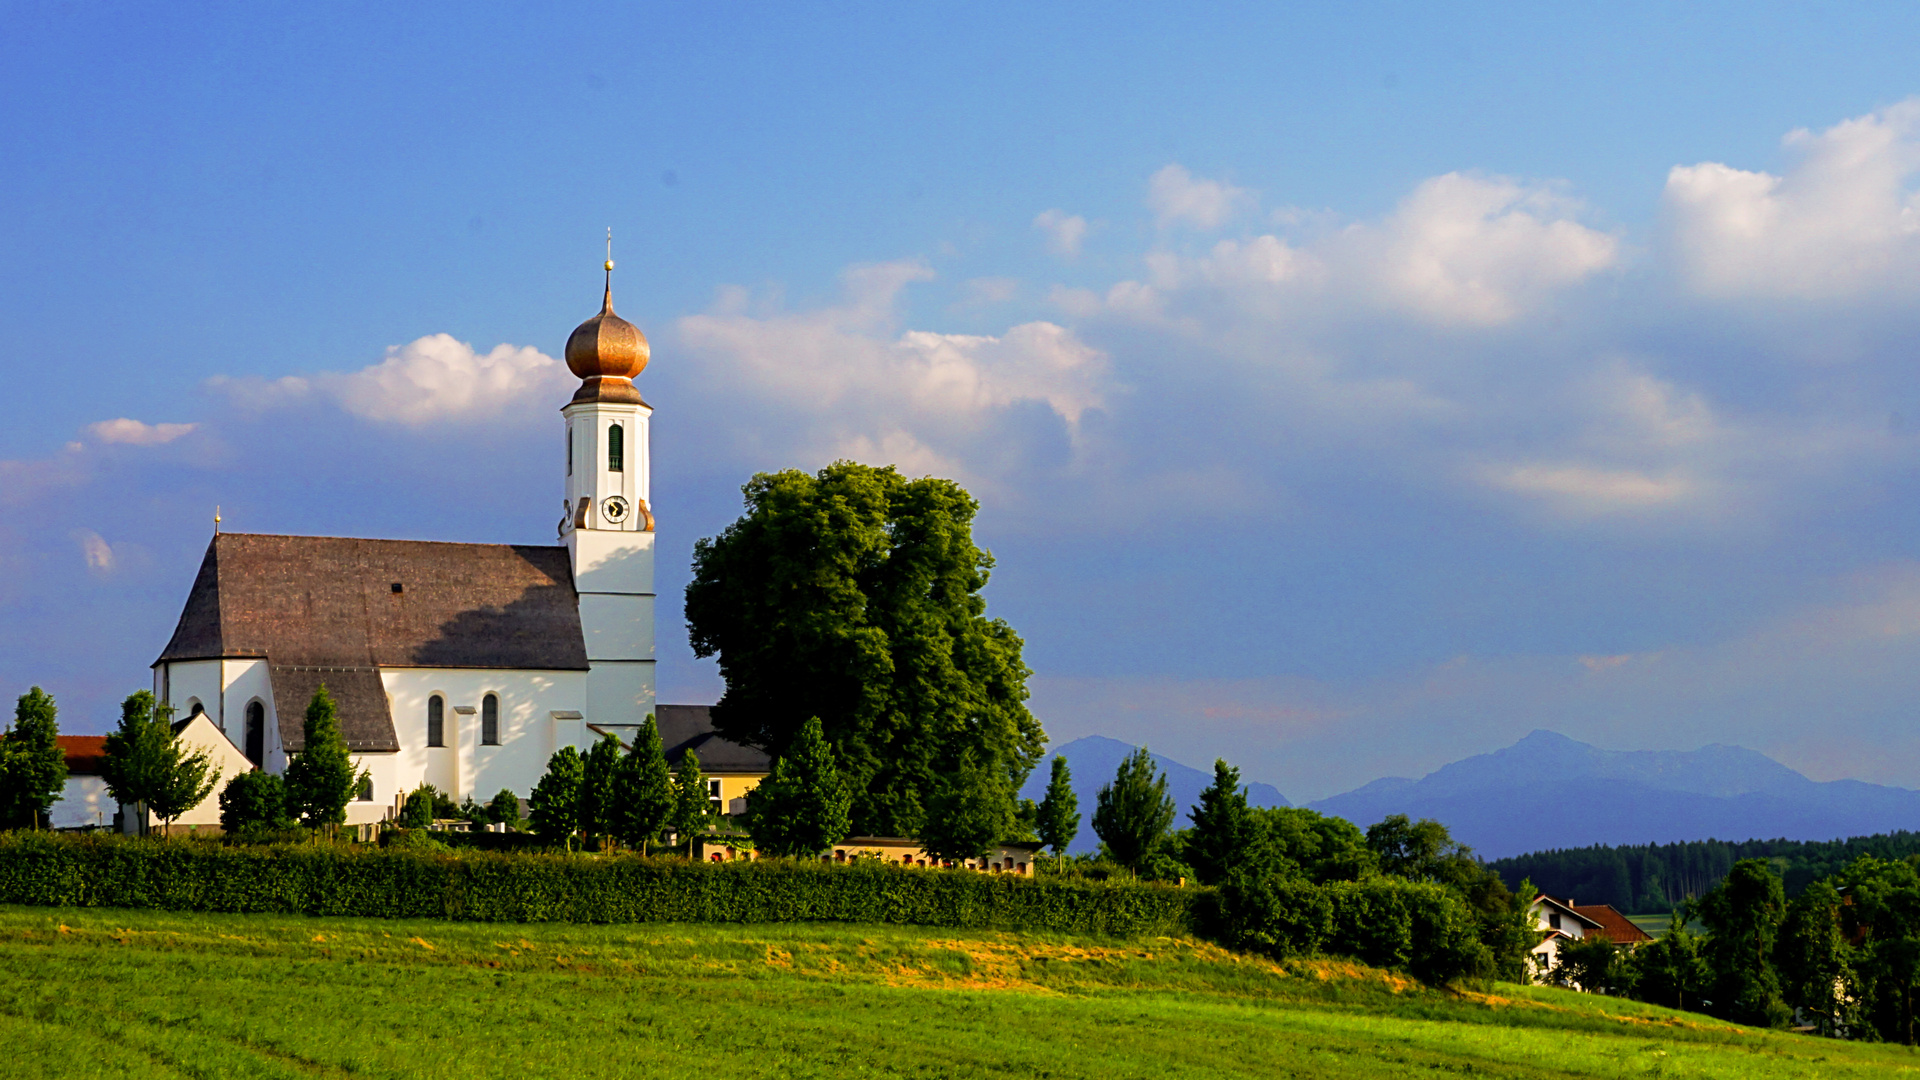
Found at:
<point>1842,222</point>
<point>1064,231</point>
<point>432,379</point>
<point>135,433</point>
<point>844,381</point>
<point>1585,489</point>
<point>1478,250</point>
<point>97,552</point>
<point>1177,197</point>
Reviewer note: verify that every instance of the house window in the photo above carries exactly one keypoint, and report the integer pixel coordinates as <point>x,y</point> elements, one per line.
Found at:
<point>363,791</point>
<point>713,796</point>
<point>256,735</point>
<point>616,449</point>
<point>490,720</point>
<point>1553,919</point>
<point>436,721</point>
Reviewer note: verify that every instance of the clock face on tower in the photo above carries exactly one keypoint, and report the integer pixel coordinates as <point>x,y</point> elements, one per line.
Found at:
<point>614,509</point>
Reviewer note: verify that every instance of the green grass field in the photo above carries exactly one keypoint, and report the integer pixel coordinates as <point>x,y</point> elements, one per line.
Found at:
<point>124,993</point>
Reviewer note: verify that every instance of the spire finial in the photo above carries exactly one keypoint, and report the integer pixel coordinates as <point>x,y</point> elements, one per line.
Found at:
<point>216,520</point>
<point>606,304</point>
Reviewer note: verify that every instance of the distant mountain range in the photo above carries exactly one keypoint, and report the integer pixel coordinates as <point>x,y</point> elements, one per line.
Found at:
<point>1094,760</point>
<point>1549,791</point>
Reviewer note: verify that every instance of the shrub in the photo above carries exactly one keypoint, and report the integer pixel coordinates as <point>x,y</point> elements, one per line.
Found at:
<point>1416,927</point>
<point>335,880</point>
<point>253,801</point>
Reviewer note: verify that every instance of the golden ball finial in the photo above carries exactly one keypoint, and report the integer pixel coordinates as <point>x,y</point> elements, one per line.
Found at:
<point>609,264</point>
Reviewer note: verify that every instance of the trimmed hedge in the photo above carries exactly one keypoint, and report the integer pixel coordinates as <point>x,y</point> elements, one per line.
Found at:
<point>110,871</point>
<point>1423,929</point>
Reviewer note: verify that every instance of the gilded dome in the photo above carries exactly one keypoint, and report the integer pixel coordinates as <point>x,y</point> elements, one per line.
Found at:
<point>607,346</point>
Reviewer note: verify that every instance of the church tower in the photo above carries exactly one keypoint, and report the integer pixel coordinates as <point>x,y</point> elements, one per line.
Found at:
<point>608,525</point>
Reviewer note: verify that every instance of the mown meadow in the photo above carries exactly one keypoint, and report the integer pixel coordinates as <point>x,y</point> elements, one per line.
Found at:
<point>103,992</point>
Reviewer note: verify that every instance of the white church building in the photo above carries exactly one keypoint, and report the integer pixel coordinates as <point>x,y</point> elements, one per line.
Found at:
<point>464,666</point>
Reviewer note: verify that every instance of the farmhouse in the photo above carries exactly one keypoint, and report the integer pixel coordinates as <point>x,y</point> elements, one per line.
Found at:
<point>464,666</point>
<point>1562,920</point>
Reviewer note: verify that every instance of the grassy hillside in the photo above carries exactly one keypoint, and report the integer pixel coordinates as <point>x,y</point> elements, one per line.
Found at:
<point>109,993</point>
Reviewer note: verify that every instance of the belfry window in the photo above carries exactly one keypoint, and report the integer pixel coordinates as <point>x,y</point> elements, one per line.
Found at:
<point>616,449</point>
<point>569,451</point>
<point>490,720</point>
<point>436,721</point>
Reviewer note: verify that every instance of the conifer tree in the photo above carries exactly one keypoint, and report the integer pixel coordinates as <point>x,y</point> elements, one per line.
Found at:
<point>1134,812</point>
<point>1225,829</point>
<point>1059,817</point>
<point>33,768</point>
<point>645,789</point>
<point>802,808</point>
<point>320,778</point>
<point>599,791</point>
<point>692,808</point>
<point>555,804</point>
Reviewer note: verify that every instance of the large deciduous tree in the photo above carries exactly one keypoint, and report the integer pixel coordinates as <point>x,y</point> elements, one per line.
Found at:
<point>1134,812</point>
<point>33,768</point>
<point>1743,916</point>
<point>853,596</point>
<point>968,812</point>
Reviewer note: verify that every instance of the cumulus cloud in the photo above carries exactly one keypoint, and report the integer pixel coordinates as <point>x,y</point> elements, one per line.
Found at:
<point>1064,231</point>
<point>433,379</point>
<point>846,379</point>
<point>135,433</point>
<point>1842,222</point>
<point>1460,250</point>
<point>1177,197</point>
<point>96,551</point>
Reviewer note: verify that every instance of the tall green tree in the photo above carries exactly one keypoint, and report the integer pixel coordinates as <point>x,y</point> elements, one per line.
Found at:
<point>1059,813</point>
<point>645,786</point>
<point>184,784</point>
<point>33,768</point>
<point>504,808</point>
<point>1886,912</point>
<point>1816,959</point>
<point>1673,970</point>
<point>1226,833</point>
<point>804,807</point>
<point>321,778</point>
<point>554,806</point>
<point>853,596</point>
<point>1743,916</point>
<point>139,753</point>
<point>967,814</point>
<point>692,806</point>
<point>600,789</point>
<point>1133,813</point>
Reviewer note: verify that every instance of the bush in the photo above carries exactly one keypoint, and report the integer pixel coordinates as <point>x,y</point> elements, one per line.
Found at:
<point>1423,929</point>
<point>333,880</point>
<point>254,801</point>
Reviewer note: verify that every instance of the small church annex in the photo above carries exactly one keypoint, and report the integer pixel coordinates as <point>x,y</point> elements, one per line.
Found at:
<point>464,666</point>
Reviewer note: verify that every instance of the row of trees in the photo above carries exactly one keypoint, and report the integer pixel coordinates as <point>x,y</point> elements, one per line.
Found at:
<point>633,798</point>
<point>1844,954</point>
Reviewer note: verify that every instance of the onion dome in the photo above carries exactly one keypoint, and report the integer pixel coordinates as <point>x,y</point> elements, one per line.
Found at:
<point>606,352</point>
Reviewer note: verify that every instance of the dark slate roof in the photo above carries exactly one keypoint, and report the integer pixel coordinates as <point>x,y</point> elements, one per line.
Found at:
<point>323,609</point>
<point>690,727</point>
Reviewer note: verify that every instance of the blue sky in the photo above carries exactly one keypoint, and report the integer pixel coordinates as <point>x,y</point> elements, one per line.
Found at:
<point>1349,389</point>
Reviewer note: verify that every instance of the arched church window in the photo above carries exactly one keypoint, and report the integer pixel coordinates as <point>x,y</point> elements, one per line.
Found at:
<point>363,791</point>
<point>490,720</point>
<point>616,449</point>
<point>436,721</point>
<point>256,735</point>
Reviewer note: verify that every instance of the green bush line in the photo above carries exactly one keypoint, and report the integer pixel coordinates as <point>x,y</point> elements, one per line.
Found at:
<point>99,871</point>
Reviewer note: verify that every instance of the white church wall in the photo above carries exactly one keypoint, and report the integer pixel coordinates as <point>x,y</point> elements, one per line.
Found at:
<point>466,766</point>
<point>617,627</point>
<point>619,692</point>
<point>612,561</point>
<point>246,681</point>
<point>184,685</point>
